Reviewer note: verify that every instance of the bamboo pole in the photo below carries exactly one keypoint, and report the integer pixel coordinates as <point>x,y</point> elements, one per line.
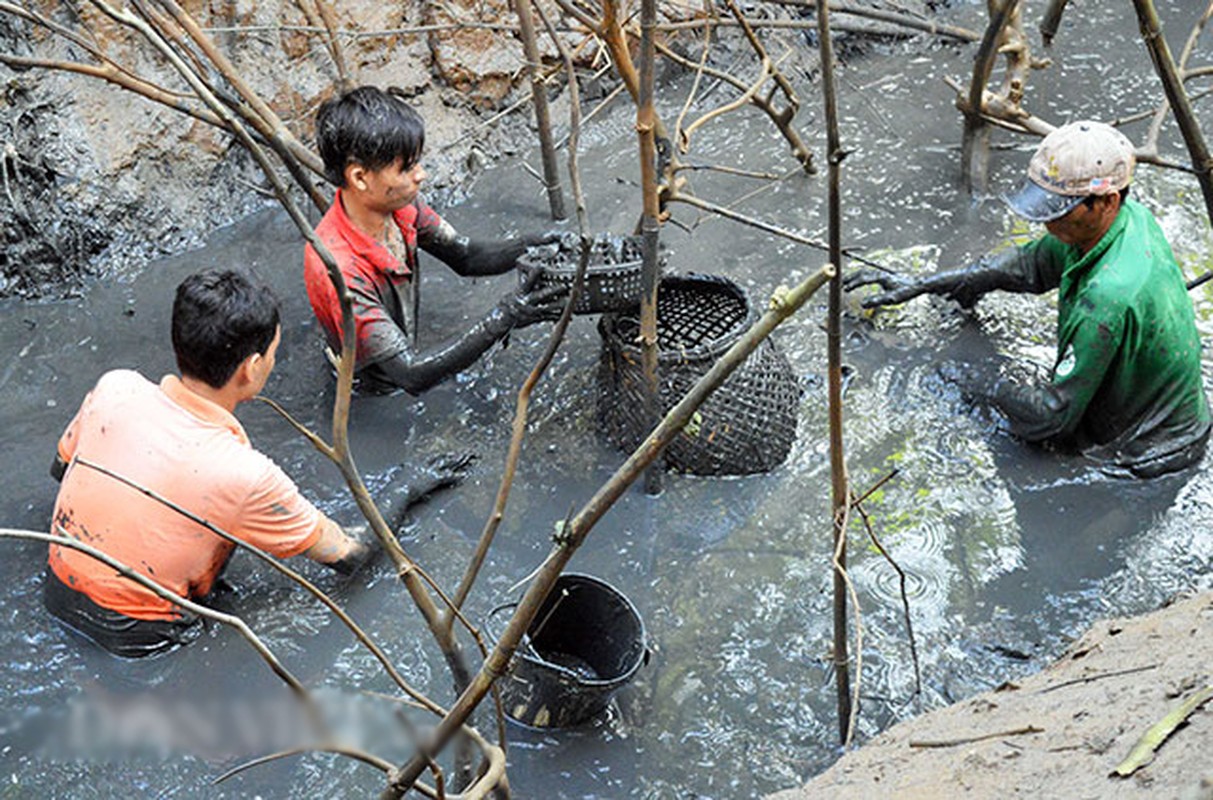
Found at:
<point>650,273</point>
<point>839,492</point>
<point>1164,65</point>
<point>539,98</point>
<point>573,533</point>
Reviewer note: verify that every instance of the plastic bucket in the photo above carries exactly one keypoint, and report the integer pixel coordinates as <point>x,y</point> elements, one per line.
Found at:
<point>586,642</point>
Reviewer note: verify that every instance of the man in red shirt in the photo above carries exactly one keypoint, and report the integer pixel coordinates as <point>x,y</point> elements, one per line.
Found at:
<point>371,143</point>
<point>179,439</point>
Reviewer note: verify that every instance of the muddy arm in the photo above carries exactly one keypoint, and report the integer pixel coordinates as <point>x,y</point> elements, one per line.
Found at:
<point>474,257</point>
<point>440,472</point>
<point>1023,269</point>
<point>337,549</point>
<point>416,372</point>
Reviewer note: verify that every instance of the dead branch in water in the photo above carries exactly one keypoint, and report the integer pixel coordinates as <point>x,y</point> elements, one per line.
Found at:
<point>539,100</point>
<point>857,504</point>
<point>902,19</point>
<point>522,405</point>
<point>650,228</point>
<point>976,137</point>
<point>839,479</point>
<point>1177,98</point>
<point>1051,20</point>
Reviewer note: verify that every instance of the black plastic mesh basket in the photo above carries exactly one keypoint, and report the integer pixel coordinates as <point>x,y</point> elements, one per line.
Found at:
<point>612,278</point>
<point>747,425</point>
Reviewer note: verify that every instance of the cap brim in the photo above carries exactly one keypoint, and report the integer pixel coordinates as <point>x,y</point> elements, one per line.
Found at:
<point>1037,204</point>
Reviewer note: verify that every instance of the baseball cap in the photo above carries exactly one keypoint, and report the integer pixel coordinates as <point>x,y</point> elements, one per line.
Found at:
<point>1076,160</point>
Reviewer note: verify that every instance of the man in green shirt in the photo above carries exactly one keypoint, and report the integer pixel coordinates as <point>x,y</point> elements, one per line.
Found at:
<point>1126,384</point>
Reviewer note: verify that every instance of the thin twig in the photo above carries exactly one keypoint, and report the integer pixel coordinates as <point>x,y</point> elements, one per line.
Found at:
<point>742,173</point>
<point>357,755</point>
<point>299,427</point>
<point>901,582</point>
<point>892,17</point>
<point>709,9</point>
<point>927,743</point>
<point>1089,678</point>
<point>857,501</point>
<point>522,404</point>
<point>727,213</point>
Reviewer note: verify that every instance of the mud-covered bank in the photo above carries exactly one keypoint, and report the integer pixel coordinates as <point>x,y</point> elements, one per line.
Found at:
<point>1060,732</point>
<point>97,180</point>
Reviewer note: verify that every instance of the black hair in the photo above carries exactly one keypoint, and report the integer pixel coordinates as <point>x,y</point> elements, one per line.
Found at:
<point>368,126</point>
<point>220,318</point>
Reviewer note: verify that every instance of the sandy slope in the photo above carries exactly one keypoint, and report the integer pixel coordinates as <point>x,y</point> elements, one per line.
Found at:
<point>1059,733</point>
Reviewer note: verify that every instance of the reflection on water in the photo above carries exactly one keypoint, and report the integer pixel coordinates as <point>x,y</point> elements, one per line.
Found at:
<point>1007,551</point>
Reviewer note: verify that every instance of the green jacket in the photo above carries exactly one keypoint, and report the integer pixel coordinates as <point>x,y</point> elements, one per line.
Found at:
<point>1127,382</point>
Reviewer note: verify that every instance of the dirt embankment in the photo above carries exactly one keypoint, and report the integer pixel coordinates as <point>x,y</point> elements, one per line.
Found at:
<point>98,179</point>
<point>1061,732</point>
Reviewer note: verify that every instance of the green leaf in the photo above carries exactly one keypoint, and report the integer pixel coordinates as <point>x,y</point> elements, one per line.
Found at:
<point>1151,740</point>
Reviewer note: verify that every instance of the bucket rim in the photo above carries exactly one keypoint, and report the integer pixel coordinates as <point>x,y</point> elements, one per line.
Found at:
<point>620,679</point>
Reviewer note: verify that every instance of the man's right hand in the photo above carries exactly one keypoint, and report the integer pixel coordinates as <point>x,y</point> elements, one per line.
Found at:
<point>528,304</point>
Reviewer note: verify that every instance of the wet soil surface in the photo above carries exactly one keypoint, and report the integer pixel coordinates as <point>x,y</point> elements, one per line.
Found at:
<point>1061,732</point>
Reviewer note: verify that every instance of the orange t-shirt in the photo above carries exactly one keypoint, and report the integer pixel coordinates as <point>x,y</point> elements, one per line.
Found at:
<point>186,449</point>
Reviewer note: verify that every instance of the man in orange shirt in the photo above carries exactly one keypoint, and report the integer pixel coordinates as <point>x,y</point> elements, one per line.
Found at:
<point>371,143</point>
<point>180,440</point>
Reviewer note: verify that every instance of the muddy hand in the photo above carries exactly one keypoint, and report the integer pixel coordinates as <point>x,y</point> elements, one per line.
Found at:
<point>897,288</point>
<point>531,303</point>
<point>979,381</point>
<point>547,237</point>
<point>439,472</point>
<point>446,470</point>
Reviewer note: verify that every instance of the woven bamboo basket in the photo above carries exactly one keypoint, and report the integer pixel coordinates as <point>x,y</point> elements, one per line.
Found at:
<point>612,277</point>
<point>748,425</point>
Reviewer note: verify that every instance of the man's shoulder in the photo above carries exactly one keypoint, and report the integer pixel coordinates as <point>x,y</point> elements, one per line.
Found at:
<point>125,382</point>
<point>331,231</point>
<point>417,215</point>
<point>1141,254</point>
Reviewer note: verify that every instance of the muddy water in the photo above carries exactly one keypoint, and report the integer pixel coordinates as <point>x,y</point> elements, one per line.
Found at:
<point>1007,551</point>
